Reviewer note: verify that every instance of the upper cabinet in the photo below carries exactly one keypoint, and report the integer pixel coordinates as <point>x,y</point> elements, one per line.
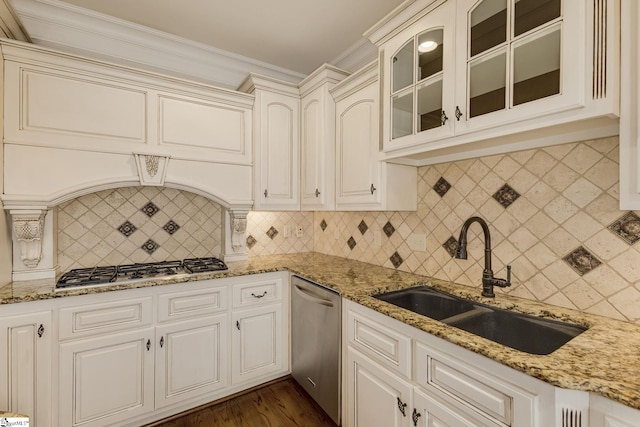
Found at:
<point>463,78</point>
<point>276,141</point>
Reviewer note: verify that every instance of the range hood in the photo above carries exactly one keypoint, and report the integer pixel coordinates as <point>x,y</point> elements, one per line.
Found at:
<point>74,126</point>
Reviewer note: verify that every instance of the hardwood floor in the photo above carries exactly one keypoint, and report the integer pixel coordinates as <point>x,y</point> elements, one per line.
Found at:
<point>281,403</point>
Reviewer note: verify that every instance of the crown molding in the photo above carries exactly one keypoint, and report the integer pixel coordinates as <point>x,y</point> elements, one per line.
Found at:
<point>10,25</point>
<point>357,56</point>
<point>65,27</point>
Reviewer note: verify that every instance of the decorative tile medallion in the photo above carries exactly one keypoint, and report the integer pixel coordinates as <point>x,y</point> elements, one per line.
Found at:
<point>150,246</point>
<point>251,241</point>
<point>127,228</point>
<point>351,243</point>
<point>363,227</point>
<point>506,195</point>
<point>582,261</point>
<point>627,228</point>
<point>272,232</point>
<point>396,259</point>
<point>150,209</point>
<point>441,187</point>
<point>171,227</point>
<point>451,246</point>
<point>388,229</point>
<point>323,224</point>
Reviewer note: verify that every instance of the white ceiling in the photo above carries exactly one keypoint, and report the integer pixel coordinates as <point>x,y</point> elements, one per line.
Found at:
<point>297,35</point>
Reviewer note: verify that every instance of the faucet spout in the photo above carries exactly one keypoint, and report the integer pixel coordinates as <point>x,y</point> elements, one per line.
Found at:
<point>488,281</point>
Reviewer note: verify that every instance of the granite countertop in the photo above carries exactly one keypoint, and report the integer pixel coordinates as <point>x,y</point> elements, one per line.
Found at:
<point>604,359</point>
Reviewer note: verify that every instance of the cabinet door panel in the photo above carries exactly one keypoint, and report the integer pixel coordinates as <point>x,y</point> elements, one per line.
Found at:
<point>430,412</point>
<point>192,359</point>
<point>106,380</point>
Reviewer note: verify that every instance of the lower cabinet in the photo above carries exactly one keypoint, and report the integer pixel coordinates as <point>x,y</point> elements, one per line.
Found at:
<point>25,364</point>
<point>131,357</point>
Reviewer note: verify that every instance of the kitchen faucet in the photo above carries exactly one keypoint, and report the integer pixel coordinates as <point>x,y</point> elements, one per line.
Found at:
<point>488,281</point>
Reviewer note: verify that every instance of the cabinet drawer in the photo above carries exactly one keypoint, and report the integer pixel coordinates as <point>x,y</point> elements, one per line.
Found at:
<point>104,318</point>
<point>189,304</point>
<point>447,378</point>
<point>257,293</point>
<point>386,346</point>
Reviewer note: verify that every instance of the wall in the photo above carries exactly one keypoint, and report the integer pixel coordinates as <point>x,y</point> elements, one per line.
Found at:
<point>137,224</point>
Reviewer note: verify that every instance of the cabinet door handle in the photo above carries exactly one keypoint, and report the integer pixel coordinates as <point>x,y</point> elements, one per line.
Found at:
<point>148,345</point>
<point>317,192</point>
<point>238,324</point>
<point>458,113</point>
<point>443,118</point>
<point>266,193</point>
<point>161,341</point>
<point>415,416</point>
<point>402,406</point>
<point>373,189</point>
<point>259,296</point>
<point>41,331</point>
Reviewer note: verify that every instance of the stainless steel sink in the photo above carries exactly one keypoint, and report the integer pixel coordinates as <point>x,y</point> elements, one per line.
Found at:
<point>530,334</point>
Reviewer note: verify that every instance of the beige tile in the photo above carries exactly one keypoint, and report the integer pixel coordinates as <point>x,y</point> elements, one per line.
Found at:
<point>582,158</point>
<point>560,209</point>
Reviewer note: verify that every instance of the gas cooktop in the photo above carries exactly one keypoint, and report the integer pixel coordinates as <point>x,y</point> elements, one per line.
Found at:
<point>132,272</point>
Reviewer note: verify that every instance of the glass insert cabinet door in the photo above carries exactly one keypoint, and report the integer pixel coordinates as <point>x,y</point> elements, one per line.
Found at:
<point>513,53</point>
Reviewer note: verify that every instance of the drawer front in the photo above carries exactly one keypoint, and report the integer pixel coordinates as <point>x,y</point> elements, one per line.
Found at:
<point>257,293</point>
<point>444,377</point>
<point>92,319</point>
<point>189,304</point>
<point>386,346</point>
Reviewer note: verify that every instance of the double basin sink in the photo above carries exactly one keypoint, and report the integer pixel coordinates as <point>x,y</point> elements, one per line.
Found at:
<point>522,332</point>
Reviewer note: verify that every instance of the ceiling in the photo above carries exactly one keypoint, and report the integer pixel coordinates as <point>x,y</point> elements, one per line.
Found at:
<point>297,35</point>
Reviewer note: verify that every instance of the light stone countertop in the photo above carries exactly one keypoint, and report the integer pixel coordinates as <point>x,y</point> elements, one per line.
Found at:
<point>604,359</point>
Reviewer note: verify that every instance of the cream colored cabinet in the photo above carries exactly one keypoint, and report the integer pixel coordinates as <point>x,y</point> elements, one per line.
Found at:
<point>317,139</point>
<point>276,140</point>
<point>607,413</point>
<point>259,337</point>
<point>467,77</point>
<point>399,375</point>
<point>25,365</point>
<point>363,182</point>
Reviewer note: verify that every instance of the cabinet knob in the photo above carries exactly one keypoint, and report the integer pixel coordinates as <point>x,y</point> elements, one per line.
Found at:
<point>161,341</point>
<point>373,189</point>
<point>238,324</point>
<point>148,345</point>
<point>317,192</point>
<point>443,118</point>
<point>458,113</point>
<point>266,193</point>
<point>415,416</point>
<point>402,407</point>
<point>41,331</point>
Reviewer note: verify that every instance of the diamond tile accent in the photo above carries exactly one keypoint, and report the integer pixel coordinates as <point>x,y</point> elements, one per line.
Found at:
<point>451,246</point>
<point>150,246</point>
<point>272,232</point>
<point>363,227</point>
<point>388,229</point>
<point>351,243</point>
<point>396,259</point>
<point>251,241</point>
<point>627,228</point>
<point>171,227</point>
<point>441,187</point>
<point>323,225</point>
<point>506,195</point>
<point>582,261</point>
<point>150,209</point>
<point>127,228</point>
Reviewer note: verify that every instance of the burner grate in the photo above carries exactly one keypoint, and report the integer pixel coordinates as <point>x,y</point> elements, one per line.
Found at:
<point>88,276</point>
<point>202,265</point>
<point>149,269</point>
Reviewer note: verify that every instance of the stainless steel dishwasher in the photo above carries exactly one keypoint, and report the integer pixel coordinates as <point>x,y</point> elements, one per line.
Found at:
<point>315,343</point>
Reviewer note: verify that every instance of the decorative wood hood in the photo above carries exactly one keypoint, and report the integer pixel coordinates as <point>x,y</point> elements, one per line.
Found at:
<point>73,126</point>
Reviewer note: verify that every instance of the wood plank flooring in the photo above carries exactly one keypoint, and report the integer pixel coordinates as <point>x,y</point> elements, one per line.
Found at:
<point>281,403</point>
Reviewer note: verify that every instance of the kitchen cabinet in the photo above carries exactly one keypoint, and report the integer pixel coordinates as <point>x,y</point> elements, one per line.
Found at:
<point>363,182</point>
<point>607,413</point>
<point>25,364</point>
<point>276,140</point>
<point>466,77</point>
<point>317,139</point>
<point>393,368</point>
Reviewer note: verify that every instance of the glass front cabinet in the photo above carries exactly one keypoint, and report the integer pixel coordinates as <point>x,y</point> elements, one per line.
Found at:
<point>460,71</point>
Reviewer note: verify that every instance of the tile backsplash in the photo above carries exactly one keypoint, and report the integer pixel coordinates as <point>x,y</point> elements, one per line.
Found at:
<point>137,224</point>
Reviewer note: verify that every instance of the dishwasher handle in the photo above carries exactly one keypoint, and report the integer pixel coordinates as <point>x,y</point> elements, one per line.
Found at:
<point>313,298</point>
